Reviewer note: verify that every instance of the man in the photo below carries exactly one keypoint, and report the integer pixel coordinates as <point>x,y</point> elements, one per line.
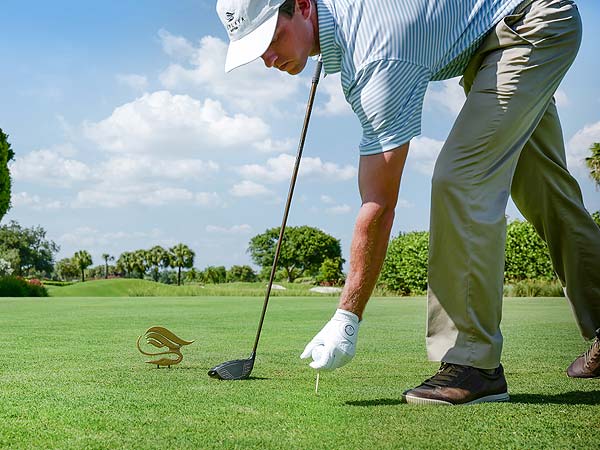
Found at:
<point>506,141</point>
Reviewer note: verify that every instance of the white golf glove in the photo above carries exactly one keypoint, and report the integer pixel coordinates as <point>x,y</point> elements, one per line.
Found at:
<point>335,344</point>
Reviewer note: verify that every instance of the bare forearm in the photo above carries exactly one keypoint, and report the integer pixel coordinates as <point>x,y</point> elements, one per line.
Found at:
<point>367,252</point>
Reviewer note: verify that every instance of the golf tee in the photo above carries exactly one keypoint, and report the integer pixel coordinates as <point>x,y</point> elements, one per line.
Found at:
<point>317,384</point>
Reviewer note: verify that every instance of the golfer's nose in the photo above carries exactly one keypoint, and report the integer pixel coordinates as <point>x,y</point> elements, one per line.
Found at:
<point>269,58</point>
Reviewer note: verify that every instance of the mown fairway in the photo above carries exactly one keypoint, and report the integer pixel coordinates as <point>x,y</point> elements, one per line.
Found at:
<point>71,377</point>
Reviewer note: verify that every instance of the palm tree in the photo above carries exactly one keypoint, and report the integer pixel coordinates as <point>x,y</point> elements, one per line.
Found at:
<point>593,163</point>
<point>126,263</point>
<point>106,257</point>
<point>181,256</point>
<point>157,257</point>
<point>191,275</point>
<point>82,260</point>
<point>140,262</point>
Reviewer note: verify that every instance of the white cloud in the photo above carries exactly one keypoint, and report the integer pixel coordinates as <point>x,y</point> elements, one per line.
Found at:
<point>336,103</point>
<point>235,229</point>
<point>208,199</point>
<point>280,169</point>
<point>248,189</point>
<point>339,209</point>
<point>275,146</point>
<point>109,195</point>
<point>163,196</point>
<point>161,123</point>
<point>24,199</point>
<point>327,170</point>
<point>248,88</point>
<point>82,236</point>
<point>447,95</point>
<point>176,46</point>
<point>129,169</point>
<point>50,168</point>
<point>423,153</point>
<point>66,150</point>
<point>134,81</point>
<point>579,145</point>
<point>88,237</point>
<point>327,199</point>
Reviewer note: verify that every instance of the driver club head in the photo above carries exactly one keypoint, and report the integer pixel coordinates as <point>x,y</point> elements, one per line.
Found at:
<point>237,369</point>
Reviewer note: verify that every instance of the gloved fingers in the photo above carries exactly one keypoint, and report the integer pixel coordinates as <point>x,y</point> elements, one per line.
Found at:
<point>323,364</point>
<point>307,351</point>
<point>323,358</point>
<point>309,348</point>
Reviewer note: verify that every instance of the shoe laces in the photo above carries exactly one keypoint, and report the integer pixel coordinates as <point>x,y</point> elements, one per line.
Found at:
<point>446,375</point>
<point>592,356</point>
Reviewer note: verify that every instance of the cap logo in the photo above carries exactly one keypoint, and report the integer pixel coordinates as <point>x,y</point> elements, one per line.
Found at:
<point>232,23</point>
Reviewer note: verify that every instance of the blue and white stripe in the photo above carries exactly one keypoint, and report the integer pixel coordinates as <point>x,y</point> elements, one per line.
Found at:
<point>388,50</point>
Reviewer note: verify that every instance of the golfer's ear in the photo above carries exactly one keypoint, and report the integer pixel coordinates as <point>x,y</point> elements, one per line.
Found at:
<point>304,7</point>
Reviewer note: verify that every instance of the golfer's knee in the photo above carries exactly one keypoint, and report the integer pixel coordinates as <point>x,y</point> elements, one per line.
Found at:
<point>445,181</point>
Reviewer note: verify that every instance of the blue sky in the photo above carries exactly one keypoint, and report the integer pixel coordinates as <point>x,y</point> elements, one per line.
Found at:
<point>128,134</point>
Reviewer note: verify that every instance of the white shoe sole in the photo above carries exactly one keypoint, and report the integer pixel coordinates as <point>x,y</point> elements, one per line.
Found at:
<point>414,400</point>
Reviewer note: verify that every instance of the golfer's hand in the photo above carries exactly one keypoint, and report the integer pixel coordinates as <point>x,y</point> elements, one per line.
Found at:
<point>335,344</point>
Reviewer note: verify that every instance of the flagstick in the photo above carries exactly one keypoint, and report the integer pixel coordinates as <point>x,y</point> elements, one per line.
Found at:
<point>317,384</point>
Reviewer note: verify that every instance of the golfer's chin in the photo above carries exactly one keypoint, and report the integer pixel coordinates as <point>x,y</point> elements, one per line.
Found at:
<point>295,68</point>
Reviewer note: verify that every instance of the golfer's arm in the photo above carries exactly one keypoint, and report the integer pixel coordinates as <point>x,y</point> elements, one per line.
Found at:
<point>379,181</point>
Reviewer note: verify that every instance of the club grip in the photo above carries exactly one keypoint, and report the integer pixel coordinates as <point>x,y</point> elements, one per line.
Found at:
<point>317,74</point>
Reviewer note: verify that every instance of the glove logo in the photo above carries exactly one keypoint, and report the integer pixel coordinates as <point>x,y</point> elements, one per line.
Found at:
<point>349,330</point>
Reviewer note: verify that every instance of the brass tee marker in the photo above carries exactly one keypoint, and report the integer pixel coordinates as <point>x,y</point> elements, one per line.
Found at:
<point>161,337</point>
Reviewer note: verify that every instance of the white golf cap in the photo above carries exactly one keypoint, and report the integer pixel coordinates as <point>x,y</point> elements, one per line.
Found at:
<point>250,25</point>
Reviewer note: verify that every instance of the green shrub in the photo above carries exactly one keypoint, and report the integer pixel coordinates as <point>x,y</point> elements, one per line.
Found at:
<point>243,273</point>
<point>18,287</point>
<point>330,272</point>
<point>527,256</point>
<point>533,288</point>
<point>405,267</point>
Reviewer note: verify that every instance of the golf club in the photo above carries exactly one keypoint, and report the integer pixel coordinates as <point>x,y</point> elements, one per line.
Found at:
<point>240,369</point>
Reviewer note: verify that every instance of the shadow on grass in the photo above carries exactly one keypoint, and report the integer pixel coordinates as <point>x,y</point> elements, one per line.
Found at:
<point>566,398</point>
<point>376,402</point>
<point>245,379</point>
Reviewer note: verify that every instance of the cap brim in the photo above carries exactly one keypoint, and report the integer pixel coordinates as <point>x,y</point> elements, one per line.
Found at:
<point>252,45</point>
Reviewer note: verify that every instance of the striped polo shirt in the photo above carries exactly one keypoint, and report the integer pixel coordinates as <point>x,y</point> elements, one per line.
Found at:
<point>388,50</point>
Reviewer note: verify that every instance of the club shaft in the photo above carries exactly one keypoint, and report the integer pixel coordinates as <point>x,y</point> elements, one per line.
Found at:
<point>311,98</point>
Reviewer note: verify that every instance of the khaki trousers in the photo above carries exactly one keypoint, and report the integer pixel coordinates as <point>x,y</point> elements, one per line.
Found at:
<point>507,140</point>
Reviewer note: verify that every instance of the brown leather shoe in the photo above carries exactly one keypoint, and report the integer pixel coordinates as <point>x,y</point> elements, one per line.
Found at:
<point>460,385</point>
<point>587,365</point>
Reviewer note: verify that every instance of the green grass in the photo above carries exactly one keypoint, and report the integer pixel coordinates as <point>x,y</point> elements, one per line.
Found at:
<point>128,287</point>
<point>70,377</point>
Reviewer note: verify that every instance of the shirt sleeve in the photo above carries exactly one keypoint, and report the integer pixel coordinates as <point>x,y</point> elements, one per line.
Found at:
<point>387,96</point>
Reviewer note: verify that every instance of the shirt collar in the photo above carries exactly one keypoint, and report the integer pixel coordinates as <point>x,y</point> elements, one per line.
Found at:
<point>332,55</point>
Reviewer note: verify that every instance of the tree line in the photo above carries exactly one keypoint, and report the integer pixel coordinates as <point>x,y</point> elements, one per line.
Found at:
<point>306,252</point>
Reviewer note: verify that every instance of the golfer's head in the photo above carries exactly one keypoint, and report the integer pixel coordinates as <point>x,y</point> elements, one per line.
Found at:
<point>284,33</point>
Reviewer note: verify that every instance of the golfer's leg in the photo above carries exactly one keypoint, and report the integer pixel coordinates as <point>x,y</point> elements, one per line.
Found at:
<point>518,68</point>
<point>550,198</point>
